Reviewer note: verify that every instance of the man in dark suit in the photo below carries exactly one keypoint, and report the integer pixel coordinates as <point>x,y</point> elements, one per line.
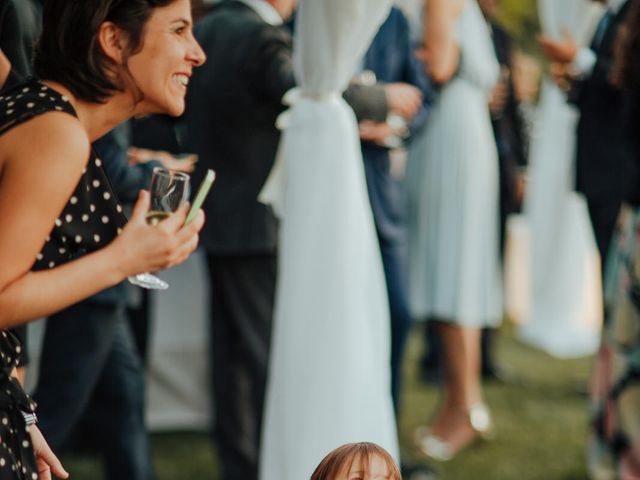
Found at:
<point>232,106</point>
<point>508,129</point>
<point>605,168</point>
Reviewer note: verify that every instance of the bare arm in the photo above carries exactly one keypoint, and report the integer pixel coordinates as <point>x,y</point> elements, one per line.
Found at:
<point>441,49</point>
<point>37,177</point>
<point>5,68</point>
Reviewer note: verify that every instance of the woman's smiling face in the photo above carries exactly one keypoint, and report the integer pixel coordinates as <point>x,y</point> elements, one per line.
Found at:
<point>163,66</point>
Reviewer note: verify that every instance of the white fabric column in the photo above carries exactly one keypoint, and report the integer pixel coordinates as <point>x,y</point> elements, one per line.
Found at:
<point>565,304</point>
<point>329,373</point>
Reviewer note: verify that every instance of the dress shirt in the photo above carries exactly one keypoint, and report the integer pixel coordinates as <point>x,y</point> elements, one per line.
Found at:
<point>586,58</point>
<point>266,11</point>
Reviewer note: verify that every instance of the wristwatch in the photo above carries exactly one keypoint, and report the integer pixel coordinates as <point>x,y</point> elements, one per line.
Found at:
<point>29,418</point>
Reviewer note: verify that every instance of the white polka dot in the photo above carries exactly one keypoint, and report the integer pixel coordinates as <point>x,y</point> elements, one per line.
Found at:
<point>98,162</point>
<point>30,105</point>
<point>96,183</point>
<point>48,239</point>
<point>19,96</point>
<point>92,207</point>
<point>24,469</point>
<point>64,239</point>
<point>68,217</point>
<point>85,218</point>
<point>106,195</point>
<point>96,238</point>
<point>58,222</point>
<point>18,349</point>
<point>84,170</point>
<point>105,219</point>
<point>73,200</point>
<point>62,251</point>
<point>3,462</point>
<point>34,476</point>
<point>5,421</point>
<point>52,264</point>
<point>1,98</point>
<point>25,89</point>
<point>78,238</point>
<point>25,444</point>
<point>9,112</point>
<point>64,99</point>
<point>11,104</point>
<point>119,231</point>
<point>42,94</point>
<point>119,208</point>
<point>39,257</point>
<point>58,108</point>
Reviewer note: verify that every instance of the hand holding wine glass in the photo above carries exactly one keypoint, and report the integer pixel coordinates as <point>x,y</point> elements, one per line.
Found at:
<point>168,194</point>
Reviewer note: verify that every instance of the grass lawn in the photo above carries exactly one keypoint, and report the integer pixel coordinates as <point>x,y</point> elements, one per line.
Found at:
<point>541,425</point>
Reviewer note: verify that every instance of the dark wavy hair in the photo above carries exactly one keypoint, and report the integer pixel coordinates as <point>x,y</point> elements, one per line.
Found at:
<point>626,66</point>
<point>341,459</point>
<point>69,52</point>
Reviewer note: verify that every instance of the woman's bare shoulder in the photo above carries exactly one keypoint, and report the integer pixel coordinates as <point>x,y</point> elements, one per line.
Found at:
<point>49,137</point>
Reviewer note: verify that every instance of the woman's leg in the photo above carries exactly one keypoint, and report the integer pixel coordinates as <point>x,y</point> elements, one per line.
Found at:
<point>462,388</point>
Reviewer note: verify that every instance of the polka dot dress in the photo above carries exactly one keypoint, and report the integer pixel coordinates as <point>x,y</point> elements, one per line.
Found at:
<point>93,216</point>
<point>91,219</point>
<point>16,453</point>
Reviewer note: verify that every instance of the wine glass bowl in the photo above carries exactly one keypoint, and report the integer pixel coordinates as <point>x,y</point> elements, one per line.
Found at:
<point>168,190</point>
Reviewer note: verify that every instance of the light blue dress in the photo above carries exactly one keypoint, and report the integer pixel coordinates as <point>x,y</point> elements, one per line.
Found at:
<point>454,266</point>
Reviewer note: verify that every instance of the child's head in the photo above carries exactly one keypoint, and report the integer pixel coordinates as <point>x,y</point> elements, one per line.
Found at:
<point>357,461</point>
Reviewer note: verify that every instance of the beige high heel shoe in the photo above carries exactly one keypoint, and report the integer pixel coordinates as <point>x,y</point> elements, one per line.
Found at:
<point>438,449</point>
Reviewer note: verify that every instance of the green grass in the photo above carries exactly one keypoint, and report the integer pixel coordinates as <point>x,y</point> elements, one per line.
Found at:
<point>541,425</point>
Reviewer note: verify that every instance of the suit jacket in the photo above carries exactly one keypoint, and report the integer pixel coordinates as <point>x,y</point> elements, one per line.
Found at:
<point>391,57</point>
<point>232,106</point>
<point>606,171</point>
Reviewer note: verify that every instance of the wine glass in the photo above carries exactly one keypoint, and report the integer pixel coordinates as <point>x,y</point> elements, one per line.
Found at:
<point>168,191</point>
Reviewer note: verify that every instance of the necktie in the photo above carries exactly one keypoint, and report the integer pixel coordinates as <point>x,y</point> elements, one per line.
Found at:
<point>602,29</point>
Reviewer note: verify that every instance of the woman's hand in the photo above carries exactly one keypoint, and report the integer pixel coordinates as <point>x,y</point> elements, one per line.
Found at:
<point>149,248</point>
<point>47,461</point>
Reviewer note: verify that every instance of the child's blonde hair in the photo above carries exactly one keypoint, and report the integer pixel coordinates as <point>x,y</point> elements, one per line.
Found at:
<point>343,457</point>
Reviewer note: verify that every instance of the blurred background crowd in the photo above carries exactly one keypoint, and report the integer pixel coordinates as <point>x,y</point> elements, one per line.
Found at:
<point>345,294</point>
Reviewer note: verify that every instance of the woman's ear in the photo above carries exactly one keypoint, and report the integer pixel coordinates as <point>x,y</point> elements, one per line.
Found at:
<point>112,42</point>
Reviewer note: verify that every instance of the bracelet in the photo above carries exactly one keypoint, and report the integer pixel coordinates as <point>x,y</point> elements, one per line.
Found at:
<point>30,418</point>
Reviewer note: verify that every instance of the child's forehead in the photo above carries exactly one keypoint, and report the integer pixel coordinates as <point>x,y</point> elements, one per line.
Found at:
<point>374,466</point>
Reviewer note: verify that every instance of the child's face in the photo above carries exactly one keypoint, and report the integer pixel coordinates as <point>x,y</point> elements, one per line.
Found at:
<point>377,470</point>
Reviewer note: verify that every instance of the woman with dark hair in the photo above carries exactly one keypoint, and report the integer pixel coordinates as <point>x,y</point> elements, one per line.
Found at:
<point>614,450</point>
<point>357,461</point>
<point>64,235</point>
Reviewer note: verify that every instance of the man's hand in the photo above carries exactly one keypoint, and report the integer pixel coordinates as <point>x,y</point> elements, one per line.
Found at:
<point>169,161</point>
<point>562,51</point>
<point>375,132</point>
<point>403,99</point>
<point>500,93</point>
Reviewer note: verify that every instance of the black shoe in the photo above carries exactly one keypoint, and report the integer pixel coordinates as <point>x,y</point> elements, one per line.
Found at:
<point>415,471</point>
<point>431,374</point>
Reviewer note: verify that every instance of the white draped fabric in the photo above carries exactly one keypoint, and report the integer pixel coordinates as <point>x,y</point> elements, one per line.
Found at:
<point>328,381</point>
<point>564,318</point>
